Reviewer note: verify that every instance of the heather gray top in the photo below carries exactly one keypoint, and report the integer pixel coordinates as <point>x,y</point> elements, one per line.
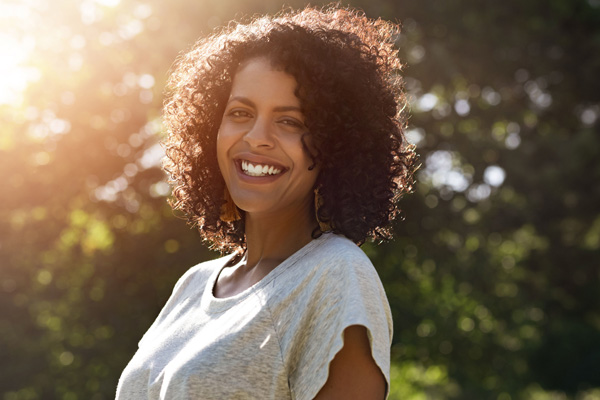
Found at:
<point>274,340</point>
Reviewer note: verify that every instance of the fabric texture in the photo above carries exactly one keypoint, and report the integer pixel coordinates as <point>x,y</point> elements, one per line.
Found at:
<point>274,340</point>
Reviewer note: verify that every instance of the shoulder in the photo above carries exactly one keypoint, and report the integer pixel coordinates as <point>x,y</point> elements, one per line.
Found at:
<point>337,250</point>
<point>333,265</point>
<point>340,258</point>
<point>334,274</point>
<point>339,244</point>
<point>200,273</point>
<point>332,287</point>
<point>337,282</point>
<point>190,286</point>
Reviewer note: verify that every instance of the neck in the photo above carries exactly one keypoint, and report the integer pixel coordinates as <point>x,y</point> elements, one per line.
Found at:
<point>273,238</point>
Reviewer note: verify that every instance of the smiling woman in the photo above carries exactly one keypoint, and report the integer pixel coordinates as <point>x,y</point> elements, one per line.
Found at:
<point>262,128</point>
<point>286,148</point>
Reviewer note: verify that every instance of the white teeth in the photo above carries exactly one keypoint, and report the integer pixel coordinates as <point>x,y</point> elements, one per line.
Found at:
<point>258,169</point>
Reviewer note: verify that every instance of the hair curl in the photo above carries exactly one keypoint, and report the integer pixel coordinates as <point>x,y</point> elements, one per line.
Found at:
<point>351,94</point>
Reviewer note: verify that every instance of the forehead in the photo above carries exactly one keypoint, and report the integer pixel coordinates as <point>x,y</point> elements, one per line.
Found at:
<point>258,78</point>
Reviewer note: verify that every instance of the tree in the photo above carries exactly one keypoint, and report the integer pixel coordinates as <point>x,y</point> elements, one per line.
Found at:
<point>493,276</point>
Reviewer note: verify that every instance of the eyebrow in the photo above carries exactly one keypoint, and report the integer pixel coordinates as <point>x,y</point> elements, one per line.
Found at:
<point>250,103</point>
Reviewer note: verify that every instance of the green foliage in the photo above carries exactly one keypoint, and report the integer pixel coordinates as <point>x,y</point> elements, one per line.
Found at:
<point>493,277</point>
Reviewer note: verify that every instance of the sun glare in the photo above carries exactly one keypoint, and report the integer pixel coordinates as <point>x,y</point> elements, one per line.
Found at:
<point>15,50</point>
<point>14,76</point>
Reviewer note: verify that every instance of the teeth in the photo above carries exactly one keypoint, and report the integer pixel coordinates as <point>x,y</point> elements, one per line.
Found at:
<point>258,169</point>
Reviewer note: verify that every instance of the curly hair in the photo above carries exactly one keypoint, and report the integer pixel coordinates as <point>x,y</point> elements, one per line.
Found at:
<point>350,90</point>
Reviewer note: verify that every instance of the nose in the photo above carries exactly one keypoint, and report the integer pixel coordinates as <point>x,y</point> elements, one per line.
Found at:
<point>260,135</point>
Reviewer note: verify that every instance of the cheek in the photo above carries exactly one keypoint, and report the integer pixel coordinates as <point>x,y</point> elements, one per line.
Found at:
<point>222,150</point>
<point>227,136</point>
<point>309,149</point>
<point>295,150</point>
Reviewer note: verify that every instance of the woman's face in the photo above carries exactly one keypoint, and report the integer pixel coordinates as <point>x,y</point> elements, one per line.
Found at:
<point>259,145</point>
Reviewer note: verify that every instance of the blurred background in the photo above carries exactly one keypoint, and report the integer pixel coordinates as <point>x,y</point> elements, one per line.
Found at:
<point>493,277</point>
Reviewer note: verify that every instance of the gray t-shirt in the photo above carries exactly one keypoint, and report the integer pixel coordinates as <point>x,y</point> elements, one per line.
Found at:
<point>274,340</point>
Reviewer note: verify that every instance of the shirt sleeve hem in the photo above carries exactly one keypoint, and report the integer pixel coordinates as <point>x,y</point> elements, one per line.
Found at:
<point>311,392</point>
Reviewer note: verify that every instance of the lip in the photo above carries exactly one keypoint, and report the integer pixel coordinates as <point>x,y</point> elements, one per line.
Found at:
<point>256,159</point>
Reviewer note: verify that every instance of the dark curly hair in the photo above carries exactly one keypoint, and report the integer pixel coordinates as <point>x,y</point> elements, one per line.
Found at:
<point>350,91</point>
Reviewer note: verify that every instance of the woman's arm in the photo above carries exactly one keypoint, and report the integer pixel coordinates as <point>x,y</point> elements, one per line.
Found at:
<point>353,373</point>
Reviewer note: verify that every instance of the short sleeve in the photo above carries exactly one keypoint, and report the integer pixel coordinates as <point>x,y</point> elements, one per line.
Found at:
<point>345,292</point>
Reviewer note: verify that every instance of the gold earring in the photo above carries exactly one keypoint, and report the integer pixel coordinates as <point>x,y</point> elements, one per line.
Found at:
<point>324,226</point>
<point>229,211</point>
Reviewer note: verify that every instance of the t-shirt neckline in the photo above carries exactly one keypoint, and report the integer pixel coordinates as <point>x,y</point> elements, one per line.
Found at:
<point>212,304</point>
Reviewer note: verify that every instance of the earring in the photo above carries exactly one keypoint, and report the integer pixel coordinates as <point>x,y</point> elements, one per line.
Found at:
<point>324,226</point>
<point>229,211</point>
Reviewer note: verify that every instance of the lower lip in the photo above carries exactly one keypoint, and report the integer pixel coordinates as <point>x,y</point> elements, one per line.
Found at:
<point>256,179</point>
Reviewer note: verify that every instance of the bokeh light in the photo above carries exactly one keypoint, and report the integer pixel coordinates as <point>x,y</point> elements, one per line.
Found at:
<point>493,275</point>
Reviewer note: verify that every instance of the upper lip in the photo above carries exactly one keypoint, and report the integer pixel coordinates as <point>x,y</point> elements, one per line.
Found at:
<point>258,159</point>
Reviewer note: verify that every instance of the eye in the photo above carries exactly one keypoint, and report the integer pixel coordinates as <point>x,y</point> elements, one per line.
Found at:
<point>239,114</point>
<point>292,122</point>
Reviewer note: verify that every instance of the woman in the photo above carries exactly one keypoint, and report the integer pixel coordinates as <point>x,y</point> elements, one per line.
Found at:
<point>286,149</point>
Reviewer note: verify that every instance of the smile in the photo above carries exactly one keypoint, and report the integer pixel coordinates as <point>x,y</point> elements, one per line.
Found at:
<point>252,169</point>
